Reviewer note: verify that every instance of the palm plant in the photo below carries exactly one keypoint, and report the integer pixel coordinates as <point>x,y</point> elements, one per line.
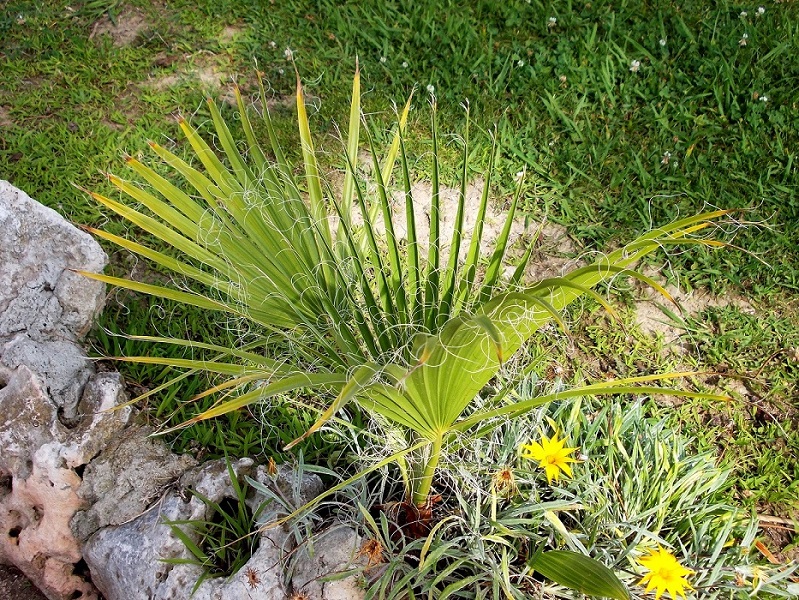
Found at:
<point>345,309</point>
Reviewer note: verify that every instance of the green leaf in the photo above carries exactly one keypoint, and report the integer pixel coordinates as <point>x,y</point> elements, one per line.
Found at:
<point>353,137</point>
<point>312,169</point>
<point>362,376</point>
<point>579,573</point>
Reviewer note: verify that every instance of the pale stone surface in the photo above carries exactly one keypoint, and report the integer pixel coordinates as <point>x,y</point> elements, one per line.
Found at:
<point>127,561</point>
<point>52,419</point>
<point>39,294</point>
<point>329,554</point>
<point>125,479</point>
<point>39,463</point>
<point>62,366</point>
<point>72,471</point>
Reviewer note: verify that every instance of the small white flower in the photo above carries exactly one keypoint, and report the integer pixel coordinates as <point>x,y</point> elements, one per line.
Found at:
<point>288,53</point>
<point>760,10</point>
<point>280,71</point>
<point>763,98</point>
<point>404,64</point>
<point>273,45</point>
<point>744,40</point>
<point>743,14</point>
<point>635,66</point>
<point>552,143</point>
<point>519,175</point>
<point>662,42</point>
<point>431,89</point>
<point>563,79</point>
<point>383,59</point>
<point>666,158</point>
<point>552,22</point>
<point>582,457</point>
<point>520,63</point>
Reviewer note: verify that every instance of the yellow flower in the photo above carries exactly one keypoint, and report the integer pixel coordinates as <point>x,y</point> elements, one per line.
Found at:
<point>551,455</point>
<point>665,574</point>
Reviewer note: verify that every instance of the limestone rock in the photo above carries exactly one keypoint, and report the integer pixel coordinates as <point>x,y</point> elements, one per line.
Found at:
<point>125,479</point>
<point>40,462</point>
<point>63,367</point>
<point>54,414</point>
<point>39,294</point>
<point>127,561</point>
<point>329,553</point>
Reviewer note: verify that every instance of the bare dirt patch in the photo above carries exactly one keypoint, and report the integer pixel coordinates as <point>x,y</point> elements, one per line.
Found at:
<point>229,33</point>
<point>112,125</point>
<point>14,584</point>
<point>208,70</point>
<point>554,250</point>
<point>5,117</point>
<point>124,29</point>
<point>651,312</point>
<point>422,193</point>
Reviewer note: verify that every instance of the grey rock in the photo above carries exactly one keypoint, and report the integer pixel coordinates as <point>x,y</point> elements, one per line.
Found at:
<point>124,480</point>
<point>76,484</point>
<point>63,367</point>
<point>55,412</point>
<point>330,553</point>
<point>39,294</point>
<point>40,460</point>
<point>44,306</point>
<point>127,562</point>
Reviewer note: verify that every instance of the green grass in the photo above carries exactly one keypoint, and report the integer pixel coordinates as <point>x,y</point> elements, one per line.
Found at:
<point>592,134</point>
<point>756,432</point>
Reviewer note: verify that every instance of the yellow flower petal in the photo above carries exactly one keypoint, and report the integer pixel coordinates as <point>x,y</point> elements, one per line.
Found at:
<point>666,574</point>
<point>552,456</point>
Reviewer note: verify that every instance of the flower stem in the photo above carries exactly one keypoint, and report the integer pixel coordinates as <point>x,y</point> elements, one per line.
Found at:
<point>426,480</point>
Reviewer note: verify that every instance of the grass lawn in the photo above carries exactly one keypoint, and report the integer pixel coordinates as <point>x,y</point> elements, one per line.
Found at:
<point>625,115</point>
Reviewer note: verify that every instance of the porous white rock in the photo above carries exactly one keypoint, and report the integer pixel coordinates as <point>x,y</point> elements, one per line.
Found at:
<point>125,479</point>
<point>80,490</point>
<point>127,562</point>
<point>322,561</point>
<point>40,461</point>
<point>62,366</point>
<point>40,294</point>
<point>45,306</point>
<point>53,408</point>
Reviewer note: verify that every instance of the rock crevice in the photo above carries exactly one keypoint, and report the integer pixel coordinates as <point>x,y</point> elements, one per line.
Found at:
<point>84,491</point>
